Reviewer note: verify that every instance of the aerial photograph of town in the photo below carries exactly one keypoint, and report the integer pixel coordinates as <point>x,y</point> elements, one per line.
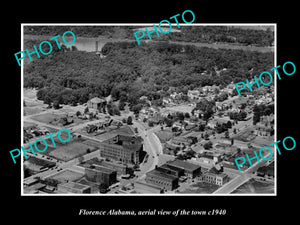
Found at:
<point>160,118</point>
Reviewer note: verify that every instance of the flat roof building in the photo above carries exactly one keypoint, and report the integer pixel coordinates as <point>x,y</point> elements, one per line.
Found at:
<point>161,179</point>
<point>123,148</point>
<point>72,187</point>
<point>100,174</point>
<point>165,168</point>
<point>190,170</point>
<point>214,177</point>
<point>143,187</point>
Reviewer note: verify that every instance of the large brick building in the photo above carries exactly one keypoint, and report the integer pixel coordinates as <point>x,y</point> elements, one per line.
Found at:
<point>100,174</point>
<point>160,179</point>
<point>126,149</point>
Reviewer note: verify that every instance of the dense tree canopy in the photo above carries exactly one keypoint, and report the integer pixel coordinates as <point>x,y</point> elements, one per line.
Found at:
<point>129,71</point>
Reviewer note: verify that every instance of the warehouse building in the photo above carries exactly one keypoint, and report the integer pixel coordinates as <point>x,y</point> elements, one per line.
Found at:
<point>190,170</point>
<point>165,181</point>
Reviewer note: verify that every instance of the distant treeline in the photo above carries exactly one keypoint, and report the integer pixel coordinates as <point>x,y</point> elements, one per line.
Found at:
<point>130,71</point>
<point>203,34</point>
<point>223,34</point>
<point>82,31</point>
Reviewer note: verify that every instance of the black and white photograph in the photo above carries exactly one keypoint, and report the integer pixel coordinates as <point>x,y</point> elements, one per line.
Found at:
<point>148,117</point>
<point>145,113</point>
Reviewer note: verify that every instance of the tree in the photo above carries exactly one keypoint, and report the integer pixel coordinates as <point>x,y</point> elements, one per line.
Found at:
<point>78,113</point>
<point>206,136</point>
<point>201,127</point>
<point>136,108</point>
<point>86,110</point>
<point>150,123</point>
<point>168,122</point>
<point>226,134</point>
<point>207,145</point>
<point>190,153</point>
<point>180,116</point>
<point>56,105</point>
<point>229,124</point>
<point>121,105</point>
<point>129,120</point>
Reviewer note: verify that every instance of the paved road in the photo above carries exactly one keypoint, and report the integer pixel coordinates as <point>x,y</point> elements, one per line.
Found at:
<point>152,146</point>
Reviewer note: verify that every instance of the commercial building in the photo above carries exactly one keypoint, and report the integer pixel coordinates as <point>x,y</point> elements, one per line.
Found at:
<point>143,188</point>
<point>117,166</point>
<point>126,149</point>
<point>162,180</point>
<point>210,159</point>
<point>72,187</point>
<point>100,174</point>
<point>165,168</point>
<point>190,170</point>
<point>214,177</point>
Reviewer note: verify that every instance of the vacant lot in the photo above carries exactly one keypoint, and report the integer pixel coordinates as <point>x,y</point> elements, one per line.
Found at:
<point>47,118</point>
<point>32,104</point>
<point>245,135</point>
<point>263,141</point>
<point>164,135</point>
<point>255,187</point>
<point>201,188</point>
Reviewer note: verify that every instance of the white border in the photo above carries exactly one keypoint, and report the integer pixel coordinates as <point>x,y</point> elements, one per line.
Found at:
<point>151,24</point>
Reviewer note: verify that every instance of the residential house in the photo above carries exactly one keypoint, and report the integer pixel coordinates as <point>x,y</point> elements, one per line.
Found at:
<point>193,94</point>
<point>96,103</point>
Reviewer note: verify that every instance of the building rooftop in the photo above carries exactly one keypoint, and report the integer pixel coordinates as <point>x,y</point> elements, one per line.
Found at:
<point>161,174</point>
<point>183,165</point>
<point>128,142</point>
<point>97,100</point>
<point>74,185</point>
<point>166,166</point>
<point>102,168</point>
